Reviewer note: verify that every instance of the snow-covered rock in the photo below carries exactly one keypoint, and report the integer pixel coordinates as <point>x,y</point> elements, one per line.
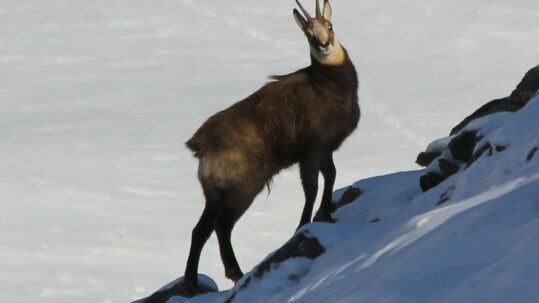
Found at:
<point>472,237</point>
<point>525,90</point>
<point>174,291</point>
<point>461,147</point>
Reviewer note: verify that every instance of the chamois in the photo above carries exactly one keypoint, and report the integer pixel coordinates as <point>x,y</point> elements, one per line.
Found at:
<point>302,117</point>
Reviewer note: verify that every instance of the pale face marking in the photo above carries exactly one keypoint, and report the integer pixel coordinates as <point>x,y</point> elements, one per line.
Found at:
<point>325,48</point>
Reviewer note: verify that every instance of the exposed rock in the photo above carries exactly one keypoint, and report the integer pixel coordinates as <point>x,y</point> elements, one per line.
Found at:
<point>487,148</point>
<point>433,178</point>
<point>176,289</point>
<point>425,158</point>
<point>525,90</point>
<point>531,154</point>
<point>375,220</point>
<point>446,196</point>
<point>349,196</point>
<point>300,245</point>
<point>499,148</point>
<point>494,106</point>
<point>447,168</point>
<point>462,146</point>
<point>430,180</point>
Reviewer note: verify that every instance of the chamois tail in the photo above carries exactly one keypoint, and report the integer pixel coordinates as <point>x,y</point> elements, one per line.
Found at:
<point>194,145</point>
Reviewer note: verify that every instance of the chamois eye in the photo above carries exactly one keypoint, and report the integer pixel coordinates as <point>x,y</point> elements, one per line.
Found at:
<point>330,27</point>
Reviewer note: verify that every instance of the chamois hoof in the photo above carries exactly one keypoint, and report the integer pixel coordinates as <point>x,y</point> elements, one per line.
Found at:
<point>234,275</point>
<point>322,216</point>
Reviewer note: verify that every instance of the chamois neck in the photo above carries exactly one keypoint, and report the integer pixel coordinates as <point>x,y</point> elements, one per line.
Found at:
<point>344,73</point>
<point>344,63</point>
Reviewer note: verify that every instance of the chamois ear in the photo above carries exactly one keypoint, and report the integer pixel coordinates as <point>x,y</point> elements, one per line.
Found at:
<point>302,23</point>
<point>327,10</point>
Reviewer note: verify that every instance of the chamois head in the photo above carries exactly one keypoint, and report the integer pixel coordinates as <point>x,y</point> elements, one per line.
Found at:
<point>319,31</point>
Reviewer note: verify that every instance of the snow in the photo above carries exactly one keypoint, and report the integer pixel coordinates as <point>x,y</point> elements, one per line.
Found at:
<point>97,97</point>
<point>480,246</point>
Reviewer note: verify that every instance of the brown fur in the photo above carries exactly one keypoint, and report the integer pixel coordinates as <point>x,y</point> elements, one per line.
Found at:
<point>313,108</point>
<point>302,117</point>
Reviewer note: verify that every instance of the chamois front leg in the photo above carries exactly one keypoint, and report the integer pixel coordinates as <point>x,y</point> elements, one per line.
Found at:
<point>309,169</point>
<point>329,172</point>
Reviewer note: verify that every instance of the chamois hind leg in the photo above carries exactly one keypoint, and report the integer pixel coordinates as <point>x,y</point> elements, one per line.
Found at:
<point>236,203</point>
<point>309,169</point>
<point>329,172</point>
<point>223,228</point>
<point>200,235</point>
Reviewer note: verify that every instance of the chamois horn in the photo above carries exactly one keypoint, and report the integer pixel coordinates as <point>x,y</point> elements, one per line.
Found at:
<point>305,12</point>
<point>318,13</point>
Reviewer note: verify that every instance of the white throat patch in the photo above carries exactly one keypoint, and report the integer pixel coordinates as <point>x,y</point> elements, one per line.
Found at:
<point>333,54</point>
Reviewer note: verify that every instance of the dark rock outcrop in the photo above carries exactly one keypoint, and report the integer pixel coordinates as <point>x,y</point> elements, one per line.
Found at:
<point>300,246</point>
<point>531,154</point>
<point>425,158</point>
<point>463,145</point>
<point>430,180</point>
<point>446,196</point>
<point>525,90</point>
<point>349,196</point>
<point>176,289</point>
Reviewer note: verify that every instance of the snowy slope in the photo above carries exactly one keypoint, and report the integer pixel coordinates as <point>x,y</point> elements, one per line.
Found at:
<point>479,245</point>
<point>96,98</point>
